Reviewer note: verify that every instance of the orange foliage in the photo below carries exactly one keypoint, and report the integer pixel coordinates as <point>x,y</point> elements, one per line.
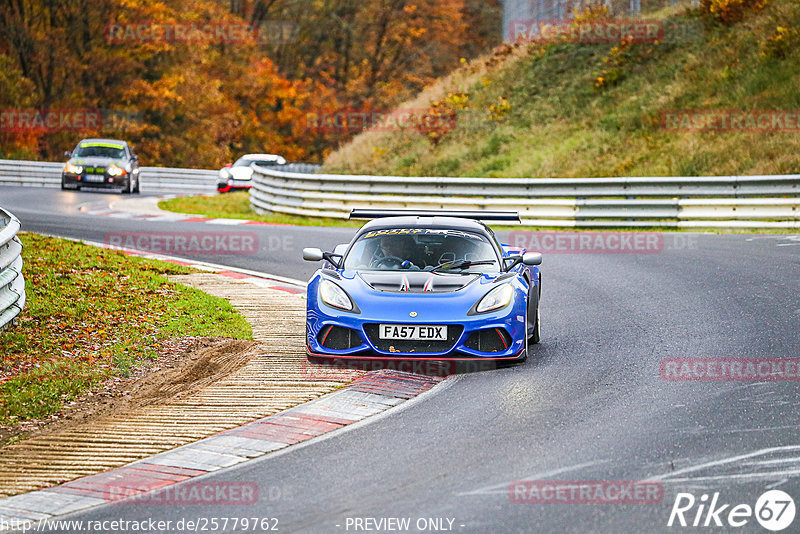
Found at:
<point>202,103</point>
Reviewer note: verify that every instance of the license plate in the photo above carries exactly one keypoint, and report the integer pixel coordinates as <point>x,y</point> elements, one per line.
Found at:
<point>413,332</point>
<point>94,177</point>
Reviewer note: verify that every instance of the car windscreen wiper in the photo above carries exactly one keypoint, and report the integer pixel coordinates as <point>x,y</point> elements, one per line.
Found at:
<point>461,264</point>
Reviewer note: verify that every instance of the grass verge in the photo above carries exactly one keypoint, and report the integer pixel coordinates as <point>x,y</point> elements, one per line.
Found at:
<point>236,205</point>
<point>92,314</point>
<point>599,110</point>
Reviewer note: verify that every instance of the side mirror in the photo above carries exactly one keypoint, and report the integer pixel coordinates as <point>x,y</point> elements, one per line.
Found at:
<point>68,154</point>
<point>313,254</point>
<point>529,258</point>
<point>532,258</point>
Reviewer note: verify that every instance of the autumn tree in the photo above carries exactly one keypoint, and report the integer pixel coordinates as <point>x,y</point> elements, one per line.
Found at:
<point>204,103</point>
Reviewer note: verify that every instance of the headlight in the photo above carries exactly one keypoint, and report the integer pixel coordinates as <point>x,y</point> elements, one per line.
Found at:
<point>114,170</point>
<point>333,295</point>
<point>73,169</point>
<point>496,299</point>
<point>224,174</point>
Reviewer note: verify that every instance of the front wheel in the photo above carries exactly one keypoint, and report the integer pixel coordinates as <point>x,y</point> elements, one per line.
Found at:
<point>532,323</point>
<point>524,354</point>
<point>536,336</point>
<point>127,189</point>
<point>136,188</point>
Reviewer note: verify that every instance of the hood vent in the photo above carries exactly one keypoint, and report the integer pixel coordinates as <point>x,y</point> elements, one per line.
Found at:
<point>416,282</point>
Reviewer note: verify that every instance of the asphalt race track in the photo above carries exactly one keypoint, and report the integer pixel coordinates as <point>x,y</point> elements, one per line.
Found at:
<point>56,212</point>
<point>590,404</point>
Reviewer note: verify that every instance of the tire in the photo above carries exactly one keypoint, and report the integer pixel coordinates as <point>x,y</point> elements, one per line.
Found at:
<point>524,355</point>
<point>63,185</point>
<point>127,189</point>
<point>136,189</point>
<point>536,337</point>
<point>533,329</point>
<point>527,348</point>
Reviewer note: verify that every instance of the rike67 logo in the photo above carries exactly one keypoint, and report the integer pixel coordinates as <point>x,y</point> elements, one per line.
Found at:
<point>774,510</point>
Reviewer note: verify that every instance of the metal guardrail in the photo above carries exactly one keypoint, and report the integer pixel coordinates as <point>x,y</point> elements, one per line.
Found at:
<point>158,179</point>
<point>682,202</point>
<point>308,168</point>
<point>30,173</point>
<point>12,283</point>
<point>153,179</point>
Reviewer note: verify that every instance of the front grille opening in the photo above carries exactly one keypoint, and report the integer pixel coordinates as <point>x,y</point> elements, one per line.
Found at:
<point>339,338</point>
<point>409,346</point>
<point>489,340</point>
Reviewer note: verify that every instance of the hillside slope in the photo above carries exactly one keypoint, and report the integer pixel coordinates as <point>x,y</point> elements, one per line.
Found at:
<point>570,110</point>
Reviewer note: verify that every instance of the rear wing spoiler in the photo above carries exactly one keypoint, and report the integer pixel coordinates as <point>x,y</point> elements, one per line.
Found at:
<point>510,216</point>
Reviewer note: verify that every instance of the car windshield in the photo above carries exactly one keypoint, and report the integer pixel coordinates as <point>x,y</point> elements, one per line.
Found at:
<point>247,162</point>
<point>99,151</point>
<point>422,249</point>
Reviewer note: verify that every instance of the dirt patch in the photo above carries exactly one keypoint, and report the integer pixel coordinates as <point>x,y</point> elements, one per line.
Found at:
<point>188,365</point>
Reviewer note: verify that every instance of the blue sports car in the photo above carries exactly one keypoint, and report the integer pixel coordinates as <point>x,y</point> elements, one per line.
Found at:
<point>424,285</point>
